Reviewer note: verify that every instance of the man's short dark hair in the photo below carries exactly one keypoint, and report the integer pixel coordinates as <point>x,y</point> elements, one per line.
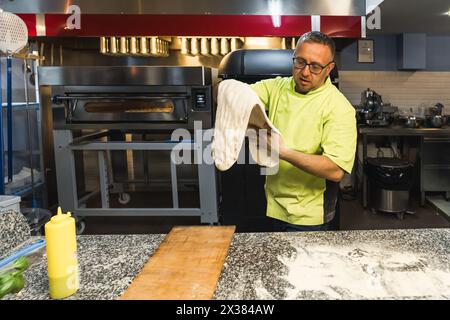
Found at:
<point>318,37</point>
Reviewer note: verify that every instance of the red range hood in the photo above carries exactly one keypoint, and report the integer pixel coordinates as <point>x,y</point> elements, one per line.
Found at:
<point>187,25</point>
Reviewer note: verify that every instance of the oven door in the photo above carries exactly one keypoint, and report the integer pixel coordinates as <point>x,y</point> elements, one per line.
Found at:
<point>126,108</point>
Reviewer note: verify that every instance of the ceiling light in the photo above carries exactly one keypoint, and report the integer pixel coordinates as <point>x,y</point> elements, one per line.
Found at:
<point>275,12</point>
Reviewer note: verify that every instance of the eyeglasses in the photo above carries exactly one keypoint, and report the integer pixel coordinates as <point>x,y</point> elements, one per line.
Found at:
<point>315,68</point>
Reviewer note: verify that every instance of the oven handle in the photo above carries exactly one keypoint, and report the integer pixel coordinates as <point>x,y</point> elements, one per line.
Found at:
<point>58,99</point>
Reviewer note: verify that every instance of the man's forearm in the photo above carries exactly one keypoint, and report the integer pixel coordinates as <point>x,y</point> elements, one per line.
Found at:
<point>317,165</point>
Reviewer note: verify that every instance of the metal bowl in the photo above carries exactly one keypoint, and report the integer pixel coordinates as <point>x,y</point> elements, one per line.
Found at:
<point>436,121</point>
<point>413,121</point>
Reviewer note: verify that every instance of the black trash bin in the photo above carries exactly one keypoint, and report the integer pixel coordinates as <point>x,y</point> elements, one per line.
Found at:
<point>390,181</point>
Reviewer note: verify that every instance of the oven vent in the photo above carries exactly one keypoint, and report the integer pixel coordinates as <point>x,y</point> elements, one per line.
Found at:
<point>209,46</point>
<point>135,46</point>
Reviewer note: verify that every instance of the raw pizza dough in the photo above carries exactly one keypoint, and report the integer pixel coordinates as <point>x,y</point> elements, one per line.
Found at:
<point>238,109</point>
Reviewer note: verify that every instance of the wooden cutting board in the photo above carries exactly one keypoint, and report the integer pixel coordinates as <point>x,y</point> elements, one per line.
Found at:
<point>186,266</point>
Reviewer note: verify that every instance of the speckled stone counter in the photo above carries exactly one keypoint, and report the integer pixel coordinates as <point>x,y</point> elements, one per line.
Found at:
<point>14,230</point>
<point>388,264</point>
<point>107,264</point>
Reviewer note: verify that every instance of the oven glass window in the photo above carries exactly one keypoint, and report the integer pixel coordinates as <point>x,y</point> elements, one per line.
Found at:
<point>131,106</point>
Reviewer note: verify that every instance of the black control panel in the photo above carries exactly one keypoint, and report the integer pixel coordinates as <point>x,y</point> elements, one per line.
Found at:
<point>200,99</point>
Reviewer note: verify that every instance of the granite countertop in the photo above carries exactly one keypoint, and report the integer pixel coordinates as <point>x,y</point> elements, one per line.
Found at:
<point>384,264</point>
<point>107,265</point>
<point>14,231</point>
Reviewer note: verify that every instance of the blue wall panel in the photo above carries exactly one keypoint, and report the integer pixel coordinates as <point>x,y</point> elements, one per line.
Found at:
<point>385,47</point>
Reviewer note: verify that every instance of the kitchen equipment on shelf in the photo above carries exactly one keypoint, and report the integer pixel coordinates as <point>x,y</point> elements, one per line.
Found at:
<point>390,180</point>
<point>435,118</point>
<point>411,120</point>
<point>372,111</point>
<point>436,121</point>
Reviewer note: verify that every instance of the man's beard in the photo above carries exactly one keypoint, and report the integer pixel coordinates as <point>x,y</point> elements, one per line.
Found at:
<point>301,90</point>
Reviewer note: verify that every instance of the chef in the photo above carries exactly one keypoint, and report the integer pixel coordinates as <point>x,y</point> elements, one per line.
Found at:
<point>318,137</point>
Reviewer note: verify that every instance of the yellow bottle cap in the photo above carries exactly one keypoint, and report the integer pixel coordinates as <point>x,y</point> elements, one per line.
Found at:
<point>59,217</point>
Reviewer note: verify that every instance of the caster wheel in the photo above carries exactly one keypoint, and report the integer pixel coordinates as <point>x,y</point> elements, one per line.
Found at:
<point>124,198</point>
<point>373,211</point>
<point>400,215</point>
<point>80,226</point>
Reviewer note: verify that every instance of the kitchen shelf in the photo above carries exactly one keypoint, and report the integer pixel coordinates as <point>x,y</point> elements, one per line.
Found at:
<point>24,152</point>
<point>23,191</point>
<point>21,150</point>
<point>22,138</point>
<point>23,106</point>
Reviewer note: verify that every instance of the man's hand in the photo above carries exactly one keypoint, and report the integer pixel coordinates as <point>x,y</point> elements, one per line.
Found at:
<point>277,141</point>
<point>269,140</point>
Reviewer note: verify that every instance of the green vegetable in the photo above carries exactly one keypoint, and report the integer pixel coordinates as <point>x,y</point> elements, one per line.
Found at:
<point>5,277</point>
<point>19,283</point>
<point>21,263</point>
<point>7,287</point>
<point>12,281</point>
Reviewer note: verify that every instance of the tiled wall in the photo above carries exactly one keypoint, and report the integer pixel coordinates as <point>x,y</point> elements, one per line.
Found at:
<point>402,89</point>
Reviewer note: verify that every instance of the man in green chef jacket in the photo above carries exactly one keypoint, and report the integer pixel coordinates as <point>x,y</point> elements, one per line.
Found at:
<point>318,142</point>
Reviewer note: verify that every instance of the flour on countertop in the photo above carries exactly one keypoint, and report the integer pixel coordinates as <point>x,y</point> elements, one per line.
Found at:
<point>367,272</point>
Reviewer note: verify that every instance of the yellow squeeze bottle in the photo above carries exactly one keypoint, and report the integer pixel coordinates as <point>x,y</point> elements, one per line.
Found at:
<point>61,242</point>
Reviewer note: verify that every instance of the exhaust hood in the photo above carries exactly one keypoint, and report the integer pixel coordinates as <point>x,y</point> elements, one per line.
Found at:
<point>195,18</point>
<point>213,7</point>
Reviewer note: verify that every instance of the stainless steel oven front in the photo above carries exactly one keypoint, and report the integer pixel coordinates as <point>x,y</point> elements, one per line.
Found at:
<point>163,97</point>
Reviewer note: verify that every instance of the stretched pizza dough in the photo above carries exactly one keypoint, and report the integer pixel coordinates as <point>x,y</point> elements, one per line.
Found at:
<point>239,109</point>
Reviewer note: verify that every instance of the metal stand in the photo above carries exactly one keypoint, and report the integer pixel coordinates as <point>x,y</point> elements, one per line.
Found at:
<point>65,145</point>
<point>434,166</point>
<point>434,171</point>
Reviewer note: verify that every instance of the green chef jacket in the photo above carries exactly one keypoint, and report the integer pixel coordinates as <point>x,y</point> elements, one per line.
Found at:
<point>321,122</point>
